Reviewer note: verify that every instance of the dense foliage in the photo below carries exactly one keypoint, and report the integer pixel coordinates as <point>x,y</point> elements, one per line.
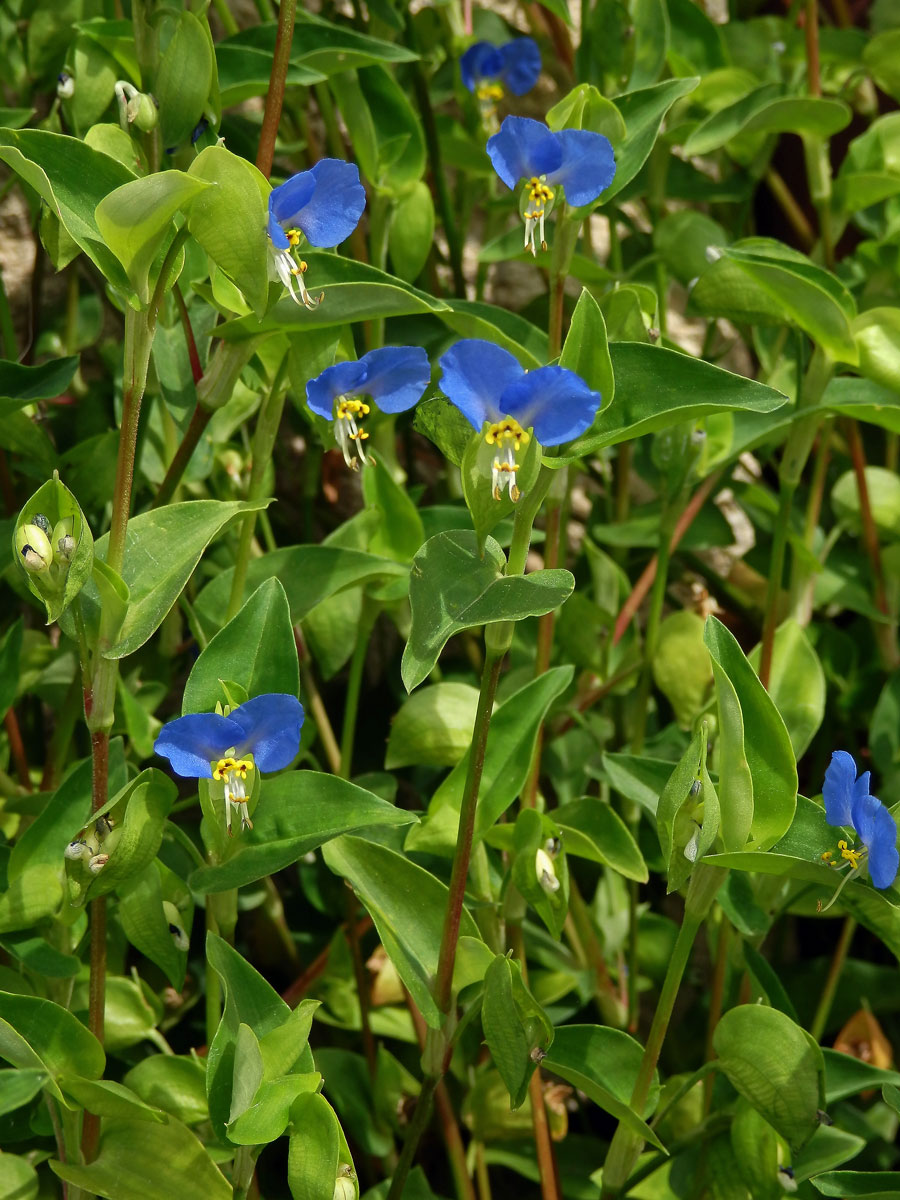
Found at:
<point>449,648</point>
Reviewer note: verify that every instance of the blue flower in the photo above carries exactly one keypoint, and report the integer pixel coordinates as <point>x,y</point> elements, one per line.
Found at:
<point>848,802</point>
<point>212,746</point>
<point>324,204</point>
<point>395,376</point>
<point>580,162</point>
<point>489,387</point>
<point>516,65</point>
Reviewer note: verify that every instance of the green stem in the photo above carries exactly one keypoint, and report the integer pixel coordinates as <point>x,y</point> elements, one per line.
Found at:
<point>564,242</point>
<point>314,703</point>
<point>443,988</point>
<point>802,578</point>
<point>264,437</point>
<point>667,524</point>
<point>626,1146</point>
<point>225,15</point>
<point>432,144</point>
<point>823,1008</point>
<point>354,685</point>
<point>275,96</point>
<point>773,585</point>
<point>417,1127</point>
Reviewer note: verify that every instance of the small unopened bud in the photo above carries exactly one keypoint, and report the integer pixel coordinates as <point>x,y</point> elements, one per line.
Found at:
<point>63,539</point>
<point>65,86</point>
<point>537,1054</point>
<point>103,825</point>
<point>690,850</point>
<point>42,522</point>
<point>142,111</point>
<point>713,254</point>
<point>173,917</point>
<point>546,872</point>
<point>97,863</point>
<point>345,1184</point>
<point>34,548</point>
<point>786,1179</point>
<point>76,851</point>
<point>552,846</point>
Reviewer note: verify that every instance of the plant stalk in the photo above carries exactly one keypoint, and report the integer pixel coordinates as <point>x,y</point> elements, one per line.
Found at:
<point>275,96</point>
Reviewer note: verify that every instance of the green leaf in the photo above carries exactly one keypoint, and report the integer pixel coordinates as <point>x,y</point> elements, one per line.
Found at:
<point>757,768</point>
<point>539,867</point>
<point>682,238</point>
<point>651,41</point>
<point>681,666</point>
<point>880,55</point>
<point>155,1162</point>
<point>475,319</point>
<point>19,1087</point>
<point>38,1034</point>
<point>433,727</point>
<point>176,1085</point>
<point>688,814</point>
<point>765,111</point>
<point>72,179</point>
<point>411,234</point>
<point>586,350</point>
<point>352,291</point>
<point>135,219</point>
<point>269,1114</point>
<point>162,548</point>
<point>516,1028</point>
<point>864,400</point>
<point>399,533</point>
<point>106,1098</point>
<point>775,1065</point>
<point>407,904</point>
<point>31,897</point>
<point>593,830</point>
<point>848,1185</point>
<point>10,652</point>
<point>604,1063</point>
<point>228,219</point>
<point>401,142</point>
<point>249,1000</point>
<point>256,650</point>
<point>762,282</point>
<point>23,385</point>
<point>18,1178</point>
<point>297,812</point>
<point>643,112</point>
<point>184,80</point>
<point>309,575</point>
<point>796,684</point>
<point>848,1076</point>
<point>657,388</point>
<point>507,759</point>
<point>314,1149</point>
<point>451,589</point>
<point>877,335</point>
<point>145,922</point>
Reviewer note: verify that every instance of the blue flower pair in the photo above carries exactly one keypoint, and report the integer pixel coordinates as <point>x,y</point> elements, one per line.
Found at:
<point>849,803</point>
<point>580,162</point>
<point>213,746</point>
<point>495,393</point>
<point>323,205</point>
<point>486,69</point>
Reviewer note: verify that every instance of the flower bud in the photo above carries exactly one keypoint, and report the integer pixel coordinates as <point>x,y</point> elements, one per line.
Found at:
<point>65,86</point>
<point>62,538</point>
<point>546,872</point>
<point>34,548</point>
<point>97,863</point>
<point>176,928</point>
<point>344,1185</point>
<point>142,111</point>
<point>76,851</point>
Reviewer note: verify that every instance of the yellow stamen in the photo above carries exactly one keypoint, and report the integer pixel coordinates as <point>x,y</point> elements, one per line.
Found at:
<point>227,766</point>
<point>852,856</point>
<point>538,191</point>
<point>347,408</point>
<point>828,856</point>
<point>489,91</point>
<point>507,430</point>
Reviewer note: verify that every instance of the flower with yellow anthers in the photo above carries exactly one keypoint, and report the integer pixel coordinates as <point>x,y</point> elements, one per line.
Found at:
<point>505,403</point>
<point>393,376</point>
<point>488,70</point>
<point>322,205</point>
<point>848,803</point>
<point>215,745</point>
<point>578,161</point>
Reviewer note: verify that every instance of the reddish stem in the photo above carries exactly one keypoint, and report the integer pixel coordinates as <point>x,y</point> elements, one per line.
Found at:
<point>17,748</point>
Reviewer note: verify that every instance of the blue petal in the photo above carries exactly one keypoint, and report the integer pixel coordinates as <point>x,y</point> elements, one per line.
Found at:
<point>524,148</point>
<point>481,61</point>
<point>286,200</point>
<point>475,374</point>
<point>395,376</point>
<point>877,829</point>
<point>557,402</point>
<point>277,236</point>
<point>587,167</point>
<point>838,790</point>
<point>334,208</point>
<point>271,729</point>
<point>343,379</point>
<point>191,743</point>
<point>521,65</point>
